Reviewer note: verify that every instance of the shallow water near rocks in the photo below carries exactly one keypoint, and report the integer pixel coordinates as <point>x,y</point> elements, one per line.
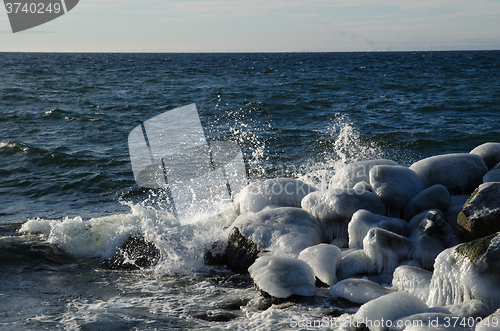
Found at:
<point>69,199</point>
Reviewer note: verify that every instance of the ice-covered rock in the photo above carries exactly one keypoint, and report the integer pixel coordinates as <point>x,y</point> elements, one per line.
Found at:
<point>282,277</point>
<point>356,263</point>
<point>427,321</point>
<point>363,220</point>
<point>324,259</point>
<point>413,280</point>
<point>459,173</point>
<point>480,215</point>
<point>493,175</point>
<point>471,309</point>
<point>467,272</point>
<point>492,322</point>
<point>334,208</point>
<point>284,231</point>
<point>381,313</point>
<point>385,249</point>
<point>415,220</point>
<point>434,197</point>
<point>358,290</point>
<point>357,172</point>
<point>284,192</point>
<point>489,152</point>
<point>431,237</point>
<point>362,186</point>
<point>396,186</point>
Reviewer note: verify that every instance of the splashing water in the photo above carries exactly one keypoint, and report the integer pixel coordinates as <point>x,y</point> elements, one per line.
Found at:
<point>344,146</point>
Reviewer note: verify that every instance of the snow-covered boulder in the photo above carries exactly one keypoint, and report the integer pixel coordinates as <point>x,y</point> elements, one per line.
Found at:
<point>459,173</point>
<point>356,263</point>
<point>334,208</point>
<point>284,231</point>
<point>493,175</point>
<point>324,260</point>
<point>357,172</point>
<point>396,186</point>
<point>480,215</point>
<point>358,290</point>
<point>284,192</point>
<point>380,314</point>
<point>489,152</point>
<point>413,280</point>
<point>434,197</point>
<point>363,220</point>
<point>282,277</point>
<point>386,249</point>
<point>468,272</point>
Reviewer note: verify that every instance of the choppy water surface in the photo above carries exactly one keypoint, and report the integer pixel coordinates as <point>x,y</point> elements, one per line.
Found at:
<point>69,198</point>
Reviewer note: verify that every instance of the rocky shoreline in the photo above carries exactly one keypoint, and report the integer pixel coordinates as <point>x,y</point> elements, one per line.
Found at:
<point>416,243</point>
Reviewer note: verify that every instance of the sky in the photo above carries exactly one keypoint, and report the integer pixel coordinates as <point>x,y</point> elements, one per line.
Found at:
<point>262,26</point>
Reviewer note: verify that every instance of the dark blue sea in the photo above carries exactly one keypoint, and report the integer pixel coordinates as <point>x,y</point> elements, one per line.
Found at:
<point>65,167</point>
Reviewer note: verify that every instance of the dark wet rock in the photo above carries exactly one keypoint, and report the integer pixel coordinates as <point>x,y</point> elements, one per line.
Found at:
<point>216,255</point>
<point>241,252</point>
<point>136,253</point>
<point>216,316</point>
<point>480,215</point>
<point>234,305</point>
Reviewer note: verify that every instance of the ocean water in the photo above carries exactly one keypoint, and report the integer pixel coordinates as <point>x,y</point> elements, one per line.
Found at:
<point>69,199</point>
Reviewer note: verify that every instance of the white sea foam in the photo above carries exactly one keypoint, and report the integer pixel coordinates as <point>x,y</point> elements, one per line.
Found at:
<point>182,248</point>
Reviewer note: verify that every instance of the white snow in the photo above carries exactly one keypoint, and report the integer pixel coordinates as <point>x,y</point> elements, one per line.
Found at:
<point>363,220</point>
<point>358,290</point>
<point>282,277</point>
<point>277,191</point>
<point>381,313</point>
<point>324,260</point>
